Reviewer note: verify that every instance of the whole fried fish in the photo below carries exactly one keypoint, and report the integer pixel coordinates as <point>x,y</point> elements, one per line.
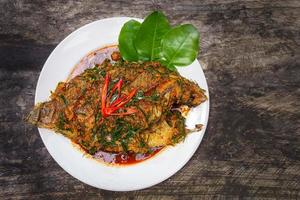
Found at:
<point>144,95</point>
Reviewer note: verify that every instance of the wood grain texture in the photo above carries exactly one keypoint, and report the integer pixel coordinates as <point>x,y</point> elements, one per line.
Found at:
<point>251,57</point>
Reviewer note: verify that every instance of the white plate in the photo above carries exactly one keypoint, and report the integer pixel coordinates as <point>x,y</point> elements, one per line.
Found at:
<point>117,178</point>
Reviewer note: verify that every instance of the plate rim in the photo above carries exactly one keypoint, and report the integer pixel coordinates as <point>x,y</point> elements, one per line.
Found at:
<point>61,43</point>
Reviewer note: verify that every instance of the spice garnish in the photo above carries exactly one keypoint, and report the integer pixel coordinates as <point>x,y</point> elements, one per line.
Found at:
<point>109,107</point>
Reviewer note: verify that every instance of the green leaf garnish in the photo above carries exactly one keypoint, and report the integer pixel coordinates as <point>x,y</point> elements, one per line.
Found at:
<point>148,38</point>
<point>155,40</point>
<point>126,38</point>
<point>180,46</point>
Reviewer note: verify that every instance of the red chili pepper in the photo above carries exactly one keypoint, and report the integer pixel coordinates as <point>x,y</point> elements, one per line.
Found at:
<point>116,86</point>
<point>104,94</point>
<point>109,108</point>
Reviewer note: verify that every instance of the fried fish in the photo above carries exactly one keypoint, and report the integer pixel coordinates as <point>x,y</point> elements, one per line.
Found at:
<point>119,107</point>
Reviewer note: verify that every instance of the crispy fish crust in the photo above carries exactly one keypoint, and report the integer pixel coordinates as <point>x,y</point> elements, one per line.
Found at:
<point>74,108</point>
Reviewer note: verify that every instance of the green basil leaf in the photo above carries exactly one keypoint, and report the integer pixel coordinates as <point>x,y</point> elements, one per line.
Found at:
<point>126,37</point>
<point>148,38</point>
<point>180,46</point>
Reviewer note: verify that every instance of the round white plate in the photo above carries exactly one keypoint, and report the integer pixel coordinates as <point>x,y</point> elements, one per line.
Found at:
<point>112,177</point>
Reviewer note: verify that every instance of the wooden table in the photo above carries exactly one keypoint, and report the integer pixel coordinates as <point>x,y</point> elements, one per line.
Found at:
<point>250,55</point>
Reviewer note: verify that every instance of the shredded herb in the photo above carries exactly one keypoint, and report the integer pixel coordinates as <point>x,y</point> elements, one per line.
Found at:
<point>64,99</point>
<point>181,129</point>
<point>92,150</point>
<point>145,114</point>
<point>140,95</point>
<point>61,121</point>
<point>98,116</point>
<point>155,96</point>
<point>116,135</point>
<point>150,69</point>
<point>85,144</point>
<point>142,143</point>
<point>83,91</point>
<point>122,134</point>
<point>114,97</point>
<point>102,73</point>
<point>93,74</point>
<point>103,133</point>
<point>150,151</point>
<point>124,145</point>
<point>112,83</point>
<point>131,132</point>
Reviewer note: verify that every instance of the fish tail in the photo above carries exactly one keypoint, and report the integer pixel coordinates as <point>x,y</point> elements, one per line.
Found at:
<point>34,115</point>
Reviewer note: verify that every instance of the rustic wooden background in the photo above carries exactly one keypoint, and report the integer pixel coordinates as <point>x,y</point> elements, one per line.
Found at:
<point>251,58</point>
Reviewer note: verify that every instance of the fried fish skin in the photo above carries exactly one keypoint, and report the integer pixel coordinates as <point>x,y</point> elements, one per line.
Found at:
<point>74,108</point>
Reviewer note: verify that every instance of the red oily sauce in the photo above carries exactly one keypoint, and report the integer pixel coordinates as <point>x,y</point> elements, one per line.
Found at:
<point>125,158</point>
<point>97,57</point>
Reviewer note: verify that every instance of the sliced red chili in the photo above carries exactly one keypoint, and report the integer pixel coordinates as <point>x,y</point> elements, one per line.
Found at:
<point>117,86</point>
<point>104,95</point>
<point>127,98</point>
<point>109,108</point>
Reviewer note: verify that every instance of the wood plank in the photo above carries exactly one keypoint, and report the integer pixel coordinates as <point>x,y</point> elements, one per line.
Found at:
<point>250,54</point>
